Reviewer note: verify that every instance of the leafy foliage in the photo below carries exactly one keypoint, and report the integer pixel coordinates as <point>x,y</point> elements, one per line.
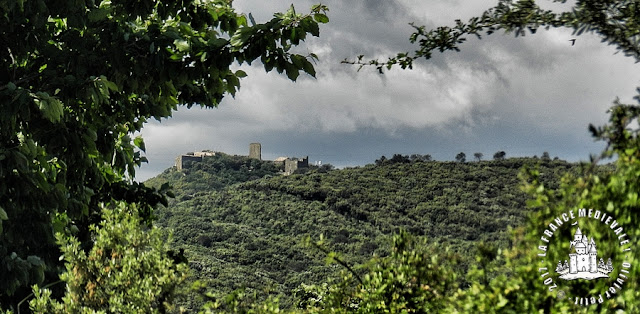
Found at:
<point>499,155</point>
<point>126,271</point>
<point>615,194</point>
<point>612,193</point>
<point>214,173</point>
<point>248,234</point>
<point>513,283</point>
<point>77,79</point>
<point>415,277</point>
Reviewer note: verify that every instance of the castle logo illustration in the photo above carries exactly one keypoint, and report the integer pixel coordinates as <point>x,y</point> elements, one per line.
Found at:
<point>583,260</point>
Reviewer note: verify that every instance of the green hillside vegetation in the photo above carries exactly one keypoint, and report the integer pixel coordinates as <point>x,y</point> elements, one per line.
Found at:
<point>214,173</point>
<point>242,224</point>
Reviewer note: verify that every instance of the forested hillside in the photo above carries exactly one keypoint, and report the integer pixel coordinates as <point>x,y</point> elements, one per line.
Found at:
<point>242,224</point>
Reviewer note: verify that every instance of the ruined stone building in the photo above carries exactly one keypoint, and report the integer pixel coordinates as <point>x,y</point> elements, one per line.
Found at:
<point>290,164</point>
<point>195,156</point>
<point>255,151</point>
<point>293,164</point>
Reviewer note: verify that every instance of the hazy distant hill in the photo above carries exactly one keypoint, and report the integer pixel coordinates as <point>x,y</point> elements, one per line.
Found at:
<point>241,223</point>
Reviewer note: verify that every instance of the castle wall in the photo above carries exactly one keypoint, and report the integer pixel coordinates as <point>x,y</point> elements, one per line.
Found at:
<point>303,162</point>
<point>293,164</point>
<point>182,159</point>
<point>290,166</point>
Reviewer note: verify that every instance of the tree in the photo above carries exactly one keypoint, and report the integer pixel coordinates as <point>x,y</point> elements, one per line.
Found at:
<point>461,157</point>
<point>420,158</point>
<point>545,156</point>
<point>415,277</point>
<point>499,155</point>
<point>125,271</point>
<point>478,156</point>
<point>399,159</point>
<point>381,161</point>
<point>77,79</point>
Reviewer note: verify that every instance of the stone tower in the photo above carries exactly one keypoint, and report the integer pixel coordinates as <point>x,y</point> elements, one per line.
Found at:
<point>255,151</point>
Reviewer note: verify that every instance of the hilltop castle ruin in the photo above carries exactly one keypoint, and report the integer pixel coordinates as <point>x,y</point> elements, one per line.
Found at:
<point>195,156</point>
<point>290,164</point>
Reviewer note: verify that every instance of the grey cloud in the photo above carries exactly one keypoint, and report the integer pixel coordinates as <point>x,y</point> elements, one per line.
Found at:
<point>524,95</point>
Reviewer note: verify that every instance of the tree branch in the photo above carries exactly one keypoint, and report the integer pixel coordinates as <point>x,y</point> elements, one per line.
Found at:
<point>22,80</point>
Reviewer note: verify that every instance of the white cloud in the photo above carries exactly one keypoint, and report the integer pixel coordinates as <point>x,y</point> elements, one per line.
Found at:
<point>341,102</point>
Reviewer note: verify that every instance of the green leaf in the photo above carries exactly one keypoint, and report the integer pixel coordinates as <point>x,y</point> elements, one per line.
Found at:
<point>241,74</point>
<point>297,61</point>
<point>139,142</point>
<point>182,45</point>
<point>309,25</point>
<point>242,20</point>
<point>3,214</point>
<point>50,107</point>
<point>111,85</point>
<point>308,67</point>
<point>292,72</point>
<point>241,36</point>
<point>98,15</point>
<point>321,18</point>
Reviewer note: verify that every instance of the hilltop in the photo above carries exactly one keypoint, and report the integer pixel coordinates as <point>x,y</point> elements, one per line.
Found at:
<point>242,223</point>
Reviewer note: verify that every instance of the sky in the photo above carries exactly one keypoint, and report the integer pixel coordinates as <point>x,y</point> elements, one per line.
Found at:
<point>524,95</point>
